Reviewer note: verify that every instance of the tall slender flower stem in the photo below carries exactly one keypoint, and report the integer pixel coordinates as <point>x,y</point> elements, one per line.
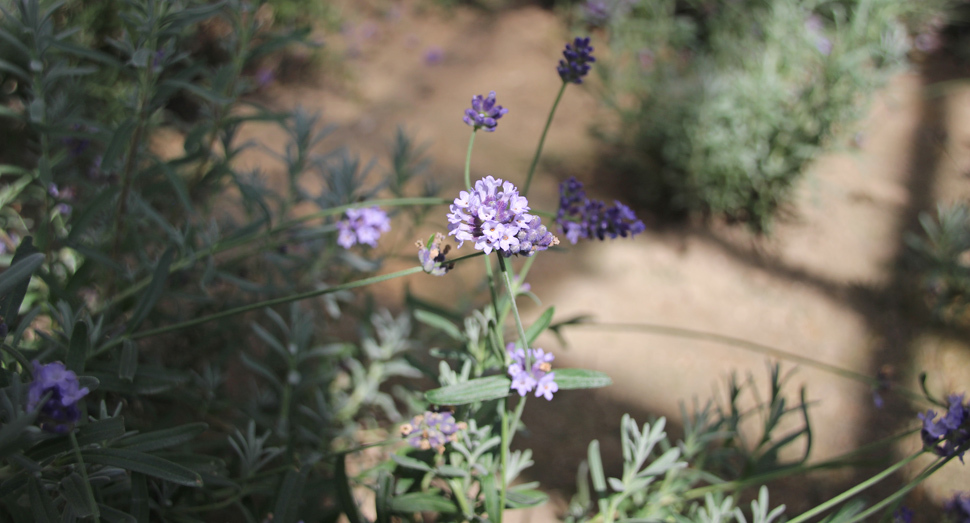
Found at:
<point>267,303</point>
<point>903,491</point>
<point>468,160</point>
<point>88,493</point>
<point>804,516</point>
<point>515,309</point>
<point>542,141</point>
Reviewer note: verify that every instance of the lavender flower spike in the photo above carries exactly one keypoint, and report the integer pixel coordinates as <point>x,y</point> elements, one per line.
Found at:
<point>495,217</point>
<point>577,56</point>
<point>59,412</point>
<point>484,113</point>
<point>432,430</point>
<point>432,257</point>
<point>580,217</point>
<point>538,376</point>
<point>362,226</point>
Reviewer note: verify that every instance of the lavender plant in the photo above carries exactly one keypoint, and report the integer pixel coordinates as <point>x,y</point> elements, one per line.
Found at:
<point>171,353</point>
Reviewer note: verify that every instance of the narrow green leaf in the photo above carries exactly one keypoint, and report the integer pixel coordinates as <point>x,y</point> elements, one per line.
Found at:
<point>93,432</point>
<point>113,515</point>
<point>72,488</point>
<point>440,323</point>
<point>128,363</point>
<point>206,94</point>
<point>13,435</point>
<point>344,493</point>
<point>541,324</point>
<point>410,463</point>
<point>383,494</point>
<point>14,280</point>
<point>596,468</point>
<point>153,292</point>
<point>581,379</point>
<point>41,506</point>
<point>261,369</point>
<point>139,497</point>
<point>451,471</point>
<point>422,502</point>
<point>77,353</point>
<point>145,463</point>
<point>493,502</point>
<point>161,439</point>
<point>86,217</point>
<point>119,140</point>
<point>524,498</point>
<point>480,389</point>
<point>290,495</point>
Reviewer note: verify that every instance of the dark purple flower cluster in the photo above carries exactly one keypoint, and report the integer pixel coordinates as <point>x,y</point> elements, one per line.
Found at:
<point>578,57</point>
<point>903,515</point>
<point>59,412</point>
<point>495,217</point>
<point>951,433</point>
<point>484,113</point>
<point>959,508</point>
<point>532,372</point>
<point>580,217</point>
<point>432,257</point>
<point>432,430</point>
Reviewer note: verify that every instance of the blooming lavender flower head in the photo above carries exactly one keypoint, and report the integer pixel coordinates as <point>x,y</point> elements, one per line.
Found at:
<point>580,217</point>
<point>903,515</point>
<point>59,412</point>
<point>432,430</point>
<point>432,257</point>
<point>951,432</point>
<point>484,113</point>
<point>959,507</point>
<point>578,56</point>
<point>363,225</point>
<point>495,217</point>
<point>532,371</point>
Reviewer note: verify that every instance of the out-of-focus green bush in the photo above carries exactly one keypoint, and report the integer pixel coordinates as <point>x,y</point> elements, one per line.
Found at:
<point>942,255</point>
<point>724,102</point>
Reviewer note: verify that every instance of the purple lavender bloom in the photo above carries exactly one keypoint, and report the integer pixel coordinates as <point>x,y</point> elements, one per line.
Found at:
<point>484,113</point>
<point>59,412</point>
<point>434,55</point>
<point>597,12</point>
<point>578,56</point>
<point>532,373</point>
<point>363,225</point>
<point>432,430</point>
<point>495,217</point>
<point>432,257</point>
<point>959,507</point>
<point>903,515</point>
<point>949,434</point>
<point>580,217</point>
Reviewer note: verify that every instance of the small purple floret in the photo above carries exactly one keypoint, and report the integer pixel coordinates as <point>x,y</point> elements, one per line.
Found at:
<point>580,217</point>
<point>59,412</point>
<point>959,507</point>
<point>363,226</point>
<point>484,113</point>
<point>949,434</point>
<point>532,375</point>
<point>578,56</point>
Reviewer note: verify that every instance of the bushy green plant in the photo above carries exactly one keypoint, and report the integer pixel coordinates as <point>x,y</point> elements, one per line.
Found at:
<point>942,256</point>
<point>724,103</point>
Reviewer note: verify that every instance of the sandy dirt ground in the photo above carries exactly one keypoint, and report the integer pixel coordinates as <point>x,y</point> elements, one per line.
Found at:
<point>827,285</point>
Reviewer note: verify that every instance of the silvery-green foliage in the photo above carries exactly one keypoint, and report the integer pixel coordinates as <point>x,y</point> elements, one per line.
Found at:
<point>252,450</point>
<point>940,254</point>
<point>760,509</point>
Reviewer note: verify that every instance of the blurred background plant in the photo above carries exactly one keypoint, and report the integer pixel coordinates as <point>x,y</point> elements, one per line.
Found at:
<point>722,104</point>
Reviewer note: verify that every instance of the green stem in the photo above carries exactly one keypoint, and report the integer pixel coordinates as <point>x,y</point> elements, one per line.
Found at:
<point>839,461</point>
<point>506,443</point>
<point>21,359</point>
<point>88,493</point>
<point>903,491</point>
<point>267,303</point>
<point>468,161</point>
<point>542,141</point>
<point>515,309</point>
<point>225,245</point>
<point>665,330</point>
<point>854,490</point>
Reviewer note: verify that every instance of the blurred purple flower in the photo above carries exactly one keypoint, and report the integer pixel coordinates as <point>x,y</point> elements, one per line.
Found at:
<point>432,430</point>
<point>432,257</point>
<point>646,59</point>
<point>597,12</point>
<point>951,432</point>
<point>264,76</point>
<point>959,507</point>
<point>903,515</point>
<point>928,42</point>
<point>434,55</point>
<point>484,113</point>
<point>362,225</point>
<point>59,412</point>
<point>578,56</point>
